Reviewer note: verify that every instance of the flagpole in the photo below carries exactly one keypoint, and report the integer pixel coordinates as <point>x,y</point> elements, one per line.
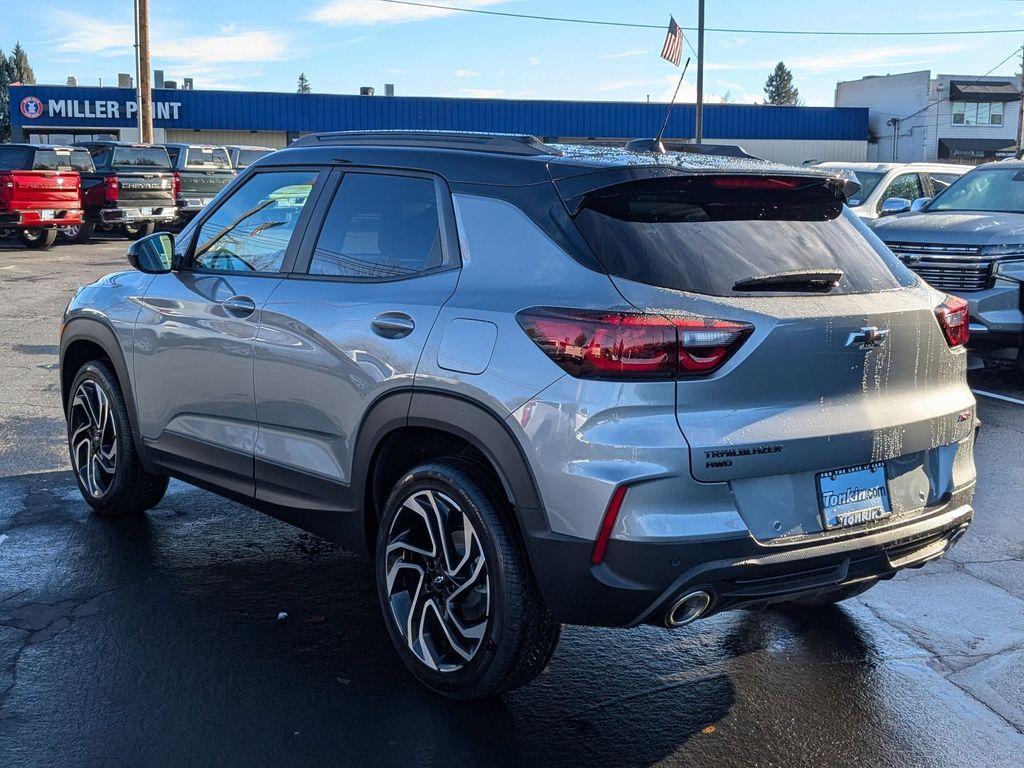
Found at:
<point>699,132</point>
<point>668,112</point>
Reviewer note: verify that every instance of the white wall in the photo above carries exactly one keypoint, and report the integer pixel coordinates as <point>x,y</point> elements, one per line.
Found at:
<point>940,116</point>
<point>886,97</point>
<point>799,151</point>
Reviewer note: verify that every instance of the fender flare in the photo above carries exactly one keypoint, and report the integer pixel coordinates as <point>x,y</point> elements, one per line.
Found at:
<point>101,334</point>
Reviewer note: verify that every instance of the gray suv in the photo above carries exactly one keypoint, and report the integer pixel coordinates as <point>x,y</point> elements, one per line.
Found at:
<point>969,240</point>
<point>538,384</point>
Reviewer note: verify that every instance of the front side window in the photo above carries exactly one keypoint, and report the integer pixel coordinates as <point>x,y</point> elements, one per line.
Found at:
<point>380,227</point>
<point>907,186</point>
<point>942,180</point>
<point>250,232</point>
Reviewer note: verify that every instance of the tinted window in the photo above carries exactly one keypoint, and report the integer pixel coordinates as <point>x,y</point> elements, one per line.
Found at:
<point>984,190</point>
<point>207,157</point>
<point>942,180</point>
<point>688,235</point>
<point>868,181</point>
<point>907,185</point>
<point>252,229</point>
<point>247,157</point>
<point>15,158</point>
<point>81,161</point>
<point>380,227</point>
<point>141,157</point>
<point>173,153</point>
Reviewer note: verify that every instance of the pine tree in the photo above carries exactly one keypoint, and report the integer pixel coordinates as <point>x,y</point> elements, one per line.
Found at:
<point>18,68</point>
<point>779,89</point>
<point>5,115</point>
<point>304,86</point>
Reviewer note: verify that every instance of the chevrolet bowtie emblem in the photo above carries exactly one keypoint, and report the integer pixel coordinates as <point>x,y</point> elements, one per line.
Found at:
<point>867,338</point>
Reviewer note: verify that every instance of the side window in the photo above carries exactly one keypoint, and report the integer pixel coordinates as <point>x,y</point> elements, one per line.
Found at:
<point>250,232</point>
<point>907,185</point>
<point>380,227</point>
<point>942,180</point>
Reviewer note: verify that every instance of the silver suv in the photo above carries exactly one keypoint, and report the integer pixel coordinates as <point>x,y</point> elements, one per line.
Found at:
<point>539,384</point>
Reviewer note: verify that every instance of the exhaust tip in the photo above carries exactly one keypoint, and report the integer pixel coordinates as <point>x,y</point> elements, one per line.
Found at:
<point>687,608</point>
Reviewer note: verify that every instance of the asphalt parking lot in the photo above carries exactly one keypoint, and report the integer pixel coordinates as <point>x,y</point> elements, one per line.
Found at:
<point>156,641</point>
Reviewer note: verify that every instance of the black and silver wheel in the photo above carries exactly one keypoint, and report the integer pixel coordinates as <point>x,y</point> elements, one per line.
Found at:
<point>458,599</point>
<point>108,470</point>
<point>37,238</point>
<point>139,231</point>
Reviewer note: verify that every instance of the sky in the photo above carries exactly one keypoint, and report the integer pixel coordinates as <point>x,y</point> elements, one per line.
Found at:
<point>344,44</point>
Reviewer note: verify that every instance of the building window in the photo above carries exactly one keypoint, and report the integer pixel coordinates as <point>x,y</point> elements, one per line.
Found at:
<point>978,113</point>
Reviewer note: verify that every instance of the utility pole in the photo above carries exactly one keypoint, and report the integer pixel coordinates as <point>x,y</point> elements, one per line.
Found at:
<point>1020,116</point>
<point>699,132</point>
<point>135,25</point>
<point>145,90</point>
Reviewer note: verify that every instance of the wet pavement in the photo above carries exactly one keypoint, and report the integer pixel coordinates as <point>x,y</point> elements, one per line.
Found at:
<point>156,641</point>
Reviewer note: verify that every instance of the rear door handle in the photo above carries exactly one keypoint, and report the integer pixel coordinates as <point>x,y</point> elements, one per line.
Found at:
<point>239,306</point>
<point>393,325</point>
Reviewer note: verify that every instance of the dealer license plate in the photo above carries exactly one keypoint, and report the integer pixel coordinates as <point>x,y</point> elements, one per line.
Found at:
<point>46,214</point>
<point>854,496</point>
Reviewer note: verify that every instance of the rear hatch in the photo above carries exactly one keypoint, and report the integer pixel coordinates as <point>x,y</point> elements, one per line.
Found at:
<point>844,362</point>
<point>144,177</point>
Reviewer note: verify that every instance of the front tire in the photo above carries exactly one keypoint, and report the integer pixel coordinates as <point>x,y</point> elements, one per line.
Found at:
<point>107,467</point>
<point>37,238</point>
<point>139,231</point>
<point>459,601</point>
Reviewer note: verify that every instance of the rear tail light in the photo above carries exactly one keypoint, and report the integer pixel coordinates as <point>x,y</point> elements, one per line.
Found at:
<point>755,182</point>
<point>593,344</point>
<point>954,319</point>
<point>110,189</point>
<point>175,185</point>
<point>6,187</point>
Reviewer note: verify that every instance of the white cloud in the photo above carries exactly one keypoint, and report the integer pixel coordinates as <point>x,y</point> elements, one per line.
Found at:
<point>466,73</point>
<point>890,56</point>
<point>375,12</point>
<point>627,54</point>
<point>533,61</point>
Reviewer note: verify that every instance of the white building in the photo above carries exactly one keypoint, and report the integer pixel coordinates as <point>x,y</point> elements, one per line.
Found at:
<point>946,118</point>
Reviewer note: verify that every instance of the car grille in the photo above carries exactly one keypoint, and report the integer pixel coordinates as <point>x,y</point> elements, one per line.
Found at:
<point>947,267</point>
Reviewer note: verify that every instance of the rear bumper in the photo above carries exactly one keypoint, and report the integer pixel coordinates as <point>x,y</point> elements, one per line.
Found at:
<point>639,581</point>
<point>132,215</point>
<point>34,219</point>
<point>192,205</point>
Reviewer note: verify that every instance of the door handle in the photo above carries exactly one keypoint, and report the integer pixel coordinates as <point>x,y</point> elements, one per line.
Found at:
<point>393,325</point>
<point>239,306</point>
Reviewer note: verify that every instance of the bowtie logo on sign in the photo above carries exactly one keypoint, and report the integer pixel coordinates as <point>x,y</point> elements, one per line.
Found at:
<point>31,107</point>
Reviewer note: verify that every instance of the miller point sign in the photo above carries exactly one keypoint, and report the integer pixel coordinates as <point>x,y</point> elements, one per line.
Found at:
<point>95,109</point>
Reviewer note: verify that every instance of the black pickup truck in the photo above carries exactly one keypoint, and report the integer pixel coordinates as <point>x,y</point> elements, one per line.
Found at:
<point>202,171</point>
<point>242,155</point>
<point>131,188</point>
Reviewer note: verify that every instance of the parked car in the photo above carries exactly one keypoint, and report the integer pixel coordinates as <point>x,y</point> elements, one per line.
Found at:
<point>883,181</point>
<point>131,187</point>
<point>243,156</point>
<point>40,190</point>
<point>201,171</point>
<point>540,384</point>
<point>969,241</point>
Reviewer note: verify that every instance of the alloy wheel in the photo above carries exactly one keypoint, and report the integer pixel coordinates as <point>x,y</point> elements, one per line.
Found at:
<point>71,231</point>
<point>93,438</point>
<point>438,585</point>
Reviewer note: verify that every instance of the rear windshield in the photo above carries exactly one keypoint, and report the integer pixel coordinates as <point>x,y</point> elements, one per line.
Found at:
<point>705,236</point>
<point>141,157</point>
<point>27,158</point>
<point>207,158</point>
<point>247,157</point>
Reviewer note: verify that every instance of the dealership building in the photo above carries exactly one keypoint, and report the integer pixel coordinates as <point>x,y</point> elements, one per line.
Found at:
<point>63,114</point>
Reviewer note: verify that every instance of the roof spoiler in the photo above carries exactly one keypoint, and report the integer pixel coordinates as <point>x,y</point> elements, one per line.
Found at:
<point>500,143</point>
<point>657,147</point>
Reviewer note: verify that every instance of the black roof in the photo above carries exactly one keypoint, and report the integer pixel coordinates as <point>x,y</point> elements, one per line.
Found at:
<point>509,159</point>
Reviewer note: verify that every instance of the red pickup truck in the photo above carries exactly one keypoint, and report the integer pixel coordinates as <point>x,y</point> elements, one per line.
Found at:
<point>41,190</point>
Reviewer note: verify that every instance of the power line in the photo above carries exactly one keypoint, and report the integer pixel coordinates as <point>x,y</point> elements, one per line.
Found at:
<point>633,25</point>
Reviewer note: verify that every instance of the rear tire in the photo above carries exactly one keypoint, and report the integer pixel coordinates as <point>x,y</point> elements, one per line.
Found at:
<point>77,233</point>
<point>106,464</point>
<point>37,238</point>
<point>139,231</point>
<point>825,599</point>
<point>458,598</point>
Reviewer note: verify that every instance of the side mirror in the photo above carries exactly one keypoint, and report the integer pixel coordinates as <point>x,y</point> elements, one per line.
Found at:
<point>920,203</point>
<point>153,254</point>
<point>895,205</point>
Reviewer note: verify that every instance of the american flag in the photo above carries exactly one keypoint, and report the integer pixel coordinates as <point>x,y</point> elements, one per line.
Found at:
<point>672,50</point>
